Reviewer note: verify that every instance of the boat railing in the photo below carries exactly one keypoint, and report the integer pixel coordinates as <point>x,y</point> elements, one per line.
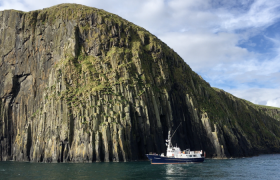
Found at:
<point>191,152</point>
<point>152,153</point>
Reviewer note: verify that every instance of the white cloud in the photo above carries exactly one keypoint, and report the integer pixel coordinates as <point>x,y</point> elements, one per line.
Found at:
<point>263,96</point>
<point>262,13</point>
<point>203,50</point>
<point>183,5</point>
<point>13,4</point>
<point>244,74</point>
<point>274,102</point>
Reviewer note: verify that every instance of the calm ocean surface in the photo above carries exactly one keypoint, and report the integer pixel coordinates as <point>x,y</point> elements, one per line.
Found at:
<point>259,167</point>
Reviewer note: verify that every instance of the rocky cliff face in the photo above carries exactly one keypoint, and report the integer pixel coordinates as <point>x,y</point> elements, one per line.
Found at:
<point>79,84</point>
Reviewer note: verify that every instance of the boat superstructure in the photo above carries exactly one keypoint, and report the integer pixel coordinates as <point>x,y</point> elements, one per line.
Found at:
<point>174,155</point>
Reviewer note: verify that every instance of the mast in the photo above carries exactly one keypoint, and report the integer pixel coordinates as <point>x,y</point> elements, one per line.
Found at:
<point>170,137</point>
<point>169,140</point>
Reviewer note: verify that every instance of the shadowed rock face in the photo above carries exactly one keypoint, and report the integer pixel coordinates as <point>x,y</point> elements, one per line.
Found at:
<point>80,84</point>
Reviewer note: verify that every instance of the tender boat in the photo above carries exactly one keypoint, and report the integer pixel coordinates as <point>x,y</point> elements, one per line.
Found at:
<point>174,155</point>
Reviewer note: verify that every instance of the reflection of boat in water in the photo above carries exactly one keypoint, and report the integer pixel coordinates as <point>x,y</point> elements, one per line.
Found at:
<point>174,155</point>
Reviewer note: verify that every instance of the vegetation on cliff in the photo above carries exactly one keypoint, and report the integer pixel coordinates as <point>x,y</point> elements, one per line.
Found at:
<point>80,84</point>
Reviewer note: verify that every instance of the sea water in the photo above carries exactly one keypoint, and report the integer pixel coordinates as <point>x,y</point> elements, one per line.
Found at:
<point>258,167</point>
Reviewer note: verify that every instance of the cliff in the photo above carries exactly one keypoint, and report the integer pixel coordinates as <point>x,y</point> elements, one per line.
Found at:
<point>79,84</point>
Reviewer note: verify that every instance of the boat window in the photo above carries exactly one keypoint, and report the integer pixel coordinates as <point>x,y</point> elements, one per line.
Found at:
<point>190,155</point>
<point>194,155</point>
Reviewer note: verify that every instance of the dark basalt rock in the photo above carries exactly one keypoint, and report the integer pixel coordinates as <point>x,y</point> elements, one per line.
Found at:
<point>79,84</point>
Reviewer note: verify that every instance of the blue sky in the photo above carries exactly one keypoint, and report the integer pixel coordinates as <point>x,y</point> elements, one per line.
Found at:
<point>234,45</point>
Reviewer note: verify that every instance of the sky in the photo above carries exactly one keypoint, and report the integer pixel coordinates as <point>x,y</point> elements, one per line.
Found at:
<point>233,44</point>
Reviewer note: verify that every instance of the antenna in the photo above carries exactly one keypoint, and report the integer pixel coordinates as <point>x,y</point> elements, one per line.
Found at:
<point>175,130</point>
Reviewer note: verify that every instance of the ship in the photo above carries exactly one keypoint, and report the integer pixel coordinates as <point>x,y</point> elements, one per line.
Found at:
<point>174,155</point>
